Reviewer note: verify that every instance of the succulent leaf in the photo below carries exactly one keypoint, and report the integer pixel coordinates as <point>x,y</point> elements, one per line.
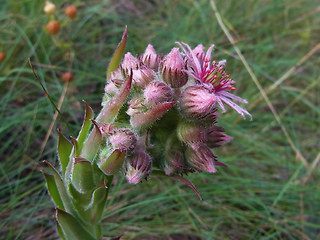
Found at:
<point>85,125</point>
<point>142,120</point>
<point>71,227</point>
<point>60,187</point>
<point>111,109</point>
<point>82,177</point>
<point>112,163</point>
<point>64,151</point>
<point>53,190</point>
<point>117,56</point>
<point>92,143</point>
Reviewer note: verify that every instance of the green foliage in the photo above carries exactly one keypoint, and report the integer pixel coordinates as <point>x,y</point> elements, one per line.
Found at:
<point>263,194</point>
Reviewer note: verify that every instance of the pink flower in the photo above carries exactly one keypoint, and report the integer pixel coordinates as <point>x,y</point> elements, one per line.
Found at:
<point>204,71</point>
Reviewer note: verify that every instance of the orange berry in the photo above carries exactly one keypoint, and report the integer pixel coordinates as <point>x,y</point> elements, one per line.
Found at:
<point>53,27</point>
<point>2,56</point>
<point>71,11</point>
<point>67,76</point>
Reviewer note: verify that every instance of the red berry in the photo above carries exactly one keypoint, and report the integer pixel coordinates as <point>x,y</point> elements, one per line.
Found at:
<point>67,76</point>
<point>71,11</point>
<point>53,27</point>
<point>2,56</point>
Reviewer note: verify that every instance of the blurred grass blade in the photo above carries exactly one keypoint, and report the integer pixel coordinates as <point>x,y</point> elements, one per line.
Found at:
<point>85,126</point>
<point>53,190</point>
<point>64,151</point>
<point>117,56</point>
<point>71,227</point>
<point>50,99</point>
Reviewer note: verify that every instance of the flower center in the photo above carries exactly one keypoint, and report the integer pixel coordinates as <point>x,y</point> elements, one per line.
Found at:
<point>216,76</point>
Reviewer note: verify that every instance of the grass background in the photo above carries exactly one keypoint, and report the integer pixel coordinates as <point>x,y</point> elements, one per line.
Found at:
<point>270,189</point>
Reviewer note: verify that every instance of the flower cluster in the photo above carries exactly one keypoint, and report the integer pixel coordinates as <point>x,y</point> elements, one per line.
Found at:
<point>168,121</point>
<point>159,115</point>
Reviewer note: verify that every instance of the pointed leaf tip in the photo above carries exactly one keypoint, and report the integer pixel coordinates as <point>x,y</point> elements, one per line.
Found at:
<point>145,119</point>
<point>189,184</point>
<point>117,56</point>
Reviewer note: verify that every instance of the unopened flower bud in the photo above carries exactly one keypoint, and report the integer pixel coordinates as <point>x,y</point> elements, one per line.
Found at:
<point>143,76</point>
<point>174,163</point>
<point>111,89</point>
<point>130,62</point>
<point>53,27</point>
<point>157,92</point>
<point>71,11</point>
<point>201,159</point>
<point>150,58</point>
<point>117,77</point>
<point>199,103</point>
<point>49,8</point>
<point>138,167</point>
<point>172,69</point>
<point>216,137</point>
<point>135,106</point>
<point>123,139</point>
<point>191,133</point>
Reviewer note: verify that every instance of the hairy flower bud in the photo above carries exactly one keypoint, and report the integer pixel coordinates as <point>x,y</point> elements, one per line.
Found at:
<point>174,163</point>
<point>138,167</point>
<point>199,103</point>
<point>157,92</point>
<point>53,27</point>
<point>71,11</point>
<point>201,159</point>
<point>135,106</point>
<point>49,8</point>
<point>216,137</point>
<point>130,62</point>
<point>191,133</point>
<point>123,139</point>
<point>173,69</point>
<point>150,58</point>
<point>143,76</point>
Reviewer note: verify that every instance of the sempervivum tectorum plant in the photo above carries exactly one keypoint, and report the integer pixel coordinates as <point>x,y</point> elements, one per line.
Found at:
<point>159,115</point>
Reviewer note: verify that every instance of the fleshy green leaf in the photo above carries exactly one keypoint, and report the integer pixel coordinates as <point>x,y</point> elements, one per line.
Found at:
<point>111,109</point>
<point>64,150</point>
<point>92,143</point>
<point>75,149</point>
<point>60,232</point>
<point>71,227</point>
<point>85,126</point>
<point>53,190</point>
<point>112,163</point>
<point>60,187</point>
<point>82,176</point>
<point>97,204</point>
<point>142,120</point>
<point>117,56</point>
